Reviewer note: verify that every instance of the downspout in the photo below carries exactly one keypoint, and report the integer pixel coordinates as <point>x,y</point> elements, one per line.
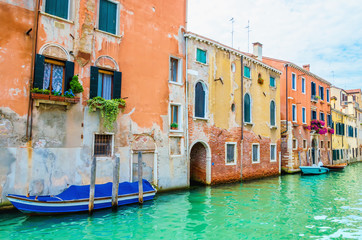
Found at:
<point>35,44</point>
<point>242,97</point>
<point>330,110</point>
<point>187,119</point>
<point>286,98</point>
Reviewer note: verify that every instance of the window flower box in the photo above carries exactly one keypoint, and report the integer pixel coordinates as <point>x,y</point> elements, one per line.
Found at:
<point>40,96</point>
<point>72,100</point>
<point>57,98</point>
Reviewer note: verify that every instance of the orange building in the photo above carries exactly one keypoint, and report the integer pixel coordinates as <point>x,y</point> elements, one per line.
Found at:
<point>118,49</point>
<point>304,97</point>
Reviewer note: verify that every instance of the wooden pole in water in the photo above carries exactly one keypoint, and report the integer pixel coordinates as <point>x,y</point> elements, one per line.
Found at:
<point>300,159</point>
<point>115,184</point>
<point>92,185</point>
<point>140,182</point>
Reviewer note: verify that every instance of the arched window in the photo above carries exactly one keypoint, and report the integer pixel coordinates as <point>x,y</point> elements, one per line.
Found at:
<point>247,108</point>
<point>200,100</point>
<point>272,113</point>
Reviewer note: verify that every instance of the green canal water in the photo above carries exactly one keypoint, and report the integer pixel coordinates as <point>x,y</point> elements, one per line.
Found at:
<point>288,207</point>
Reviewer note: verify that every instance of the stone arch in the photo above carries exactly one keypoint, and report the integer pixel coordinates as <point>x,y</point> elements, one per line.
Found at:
<point>106,62</point>
<point>146,144</point>
<point>200,162</point>
<point>55,50</point>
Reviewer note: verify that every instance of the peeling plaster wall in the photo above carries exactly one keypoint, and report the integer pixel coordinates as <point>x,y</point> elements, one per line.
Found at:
<point>60,151</point>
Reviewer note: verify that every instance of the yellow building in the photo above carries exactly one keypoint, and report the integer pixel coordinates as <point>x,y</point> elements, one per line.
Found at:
<point>233,113</point>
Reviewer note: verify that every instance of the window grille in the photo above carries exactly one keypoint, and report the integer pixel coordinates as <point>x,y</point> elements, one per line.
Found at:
<point>103,145</point>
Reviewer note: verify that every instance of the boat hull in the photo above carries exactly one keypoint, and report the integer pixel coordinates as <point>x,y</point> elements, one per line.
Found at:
<point>33,207</point>
<point>336,167</point>
<point>307,170</point>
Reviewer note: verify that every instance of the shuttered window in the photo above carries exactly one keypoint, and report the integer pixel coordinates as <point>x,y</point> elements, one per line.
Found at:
<point>107,16</point>
<point>294,113</point>
<point>255,153</point>
<point>273,152</point>
<point>200,100</point>
<point>51,74</point>
<point>321,92</point>
<point>247,72</point>
<point>247,108</point>
<point>294,81</point>
<point>313,90</point>
<point>303,85</point>
<point>272,82</point>
<point>304,117</point>
<point>230,153</point>
<point>57,8</point>
<point>105,83</point>
<point>314,115</point>
<point>201,56</point>
<point>272,113</point>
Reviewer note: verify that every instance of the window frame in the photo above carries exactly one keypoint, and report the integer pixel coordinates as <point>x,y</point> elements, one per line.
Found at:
<point>275,113</point>
<point>248,77</point>
<point>112,144</point>
<point>206,111</point>
<point>179,71</point>
<point>322,144</point>
<point>304,85</point>
<point>296,144</point>
<point>304,115</point>
<point>316,115</point>
<point>108,72</point>
<point>275,152</point>
<point>179,116</point>
<point>250,106</point>
<point>321,92</point>
<point>117,18</point>
<point>274,85</point>
<point>320,116</point>
<point>206,55</point>
<point>58,63</point>
<point>70,5</point>
<point>294,113</point>
<point>305,144</point>
<point>252,153</point>
<point>328,95</point>
<point>294,81</point>
<point>235,153</point>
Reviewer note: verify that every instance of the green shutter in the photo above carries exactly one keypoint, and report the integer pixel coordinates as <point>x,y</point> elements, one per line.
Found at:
<point>51,6</point>
<point>272,113</point>
<point>117,84</point>
<point>69,73</point>
<point>201,56</point>
<point>39,71</point>
<point>246,72</point>
<point>247,112</point>
<point>103,15</point>
<point>93,82</point>
<point>57,8</point>
<point>111,17</point>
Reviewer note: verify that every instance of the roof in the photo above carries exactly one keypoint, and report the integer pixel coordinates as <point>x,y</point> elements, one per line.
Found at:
<point>353,91</point>
<point>234,51</point>
<point>293,65</point>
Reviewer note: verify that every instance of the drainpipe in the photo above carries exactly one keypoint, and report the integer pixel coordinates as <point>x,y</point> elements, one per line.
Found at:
<point>242,97</point>
<point>187,119</point>
<point>35,44</point>
<point>286,98</point>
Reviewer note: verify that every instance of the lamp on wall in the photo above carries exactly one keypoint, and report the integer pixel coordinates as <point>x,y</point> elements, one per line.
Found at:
<point>219,79</point>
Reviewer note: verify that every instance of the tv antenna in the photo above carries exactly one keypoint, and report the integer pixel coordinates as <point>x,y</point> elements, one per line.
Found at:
<point>232,31</point>
<point>248,27</point>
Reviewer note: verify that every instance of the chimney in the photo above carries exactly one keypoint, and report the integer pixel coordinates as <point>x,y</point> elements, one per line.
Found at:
<point>307,67</point>
<point>258,50</point>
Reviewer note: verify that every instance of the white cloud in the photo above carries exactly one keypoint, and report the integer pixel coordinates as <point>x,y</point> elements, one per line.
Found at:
<point>325,34</point>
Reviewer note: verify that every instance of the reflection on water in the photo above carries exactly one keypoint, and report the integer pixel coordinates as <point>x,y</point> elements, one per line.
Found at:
<point>287,207</point>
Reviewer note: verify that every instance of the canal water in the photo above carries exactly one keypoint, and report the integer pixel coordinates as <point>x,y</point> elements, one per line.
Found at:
<point>287,207</point>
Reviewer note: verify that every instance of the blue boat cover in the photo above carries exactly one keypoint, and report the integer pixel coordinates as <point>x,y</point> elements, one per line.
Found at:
<point>75,192</point>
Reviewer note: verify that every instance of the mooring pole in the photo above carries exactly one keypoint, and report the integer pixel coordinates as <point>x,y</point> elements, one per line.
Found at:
<point>115,184</point>
<point>140,182</point>
<point>300,159</point>
<point>92,185</point>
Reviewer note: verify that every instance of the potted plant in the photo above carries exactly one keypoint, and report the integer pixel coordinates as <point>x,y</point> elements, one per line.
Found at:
<point>37,93</point>
<point>174,126</point>
<point>260,80</point>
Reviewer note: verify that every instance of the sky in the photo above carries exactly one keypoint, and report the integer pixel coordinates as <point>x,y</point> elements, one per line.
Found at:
<point>327,34</point>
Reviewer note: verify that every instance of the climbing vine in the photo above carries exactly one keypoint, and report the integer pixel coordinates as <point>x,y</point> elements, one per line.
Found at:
<point>109,109</point>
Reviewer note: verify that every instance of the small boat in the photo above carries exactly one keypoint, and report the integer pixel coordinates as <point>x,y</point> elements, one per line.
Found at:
<point>76,198</point>
<point>313,170</point>
<point>336,167</point>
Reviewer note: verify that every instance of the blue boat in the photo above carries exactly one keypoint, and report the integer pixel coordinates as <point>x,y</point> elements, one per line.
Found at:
<point>76,198</point>
<point>313,170</point>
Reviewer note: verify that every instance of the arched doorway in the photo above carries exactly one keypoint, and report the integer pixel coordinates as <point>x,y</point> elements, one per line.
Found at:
<point>200,163</point>
<point>314,151</point>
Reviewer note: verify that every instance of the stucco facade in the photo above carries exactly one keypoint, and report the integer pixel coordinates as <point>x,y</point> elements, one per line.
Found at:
<point>46,146</point>
<point>219,131</point>
<point>300,146</point>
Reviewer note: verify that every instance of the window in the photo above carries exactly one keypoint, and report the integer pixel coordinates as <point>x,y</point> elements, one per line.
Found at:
<point>304,117</point>
<point>230,153</point>
<point>295,143</point>
<point>322,144</point>
<point>174,70</point>
<point>247,108</point>
<point>294,113</point>
<point>200,100</point>
<point>272,113</point>
<point>52,74</point>
<point>321,92</point>
<point>272,82</point>
<point>103,145</point>
<point>314,115</point>
<point>105,83</point>
<point>57,8</point>
<point>304,144</point>
<point>201,56</point>
<point>247,72</point>
<point>273,152</point>
<point>327,95</point>
<point>303,85</point>
<point>175,117</point>
<point>329,120</point>
<point>294,81</point>
<point>233,68</point>
<point>108,16</point>
<point>313,90</point>
<point>321,116</point>
<point>329,144</point>
<point>255,153</point>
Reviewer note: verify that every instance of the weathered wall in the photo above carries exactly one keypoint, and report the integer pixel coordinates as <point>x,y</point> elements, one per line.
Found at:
<point>62,145</point>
